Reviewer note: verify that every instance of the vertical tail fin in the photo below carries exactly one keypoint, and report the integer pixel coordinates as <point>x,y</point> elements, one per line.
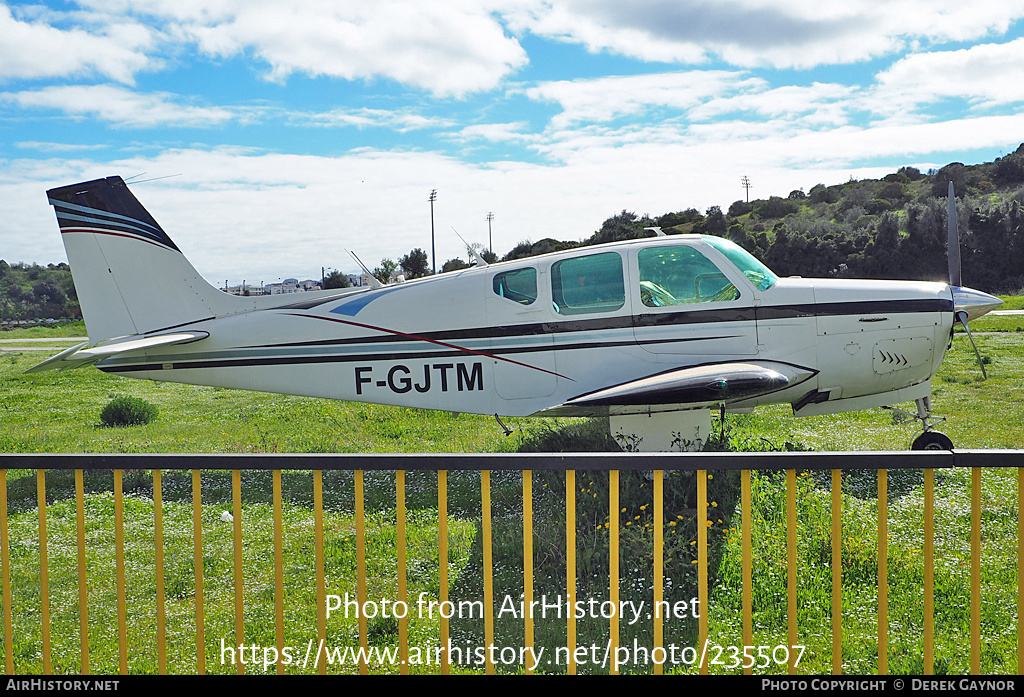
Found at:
<point>129,275</point>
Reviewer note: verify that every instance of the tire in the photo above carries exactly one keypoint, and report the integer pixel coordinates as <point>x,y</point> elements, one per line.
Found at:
<point>932,440</point>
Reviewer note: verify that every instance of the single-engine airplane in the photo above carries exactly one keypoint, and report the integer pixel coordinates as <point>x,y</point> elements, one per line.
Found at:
<point>651,333</point>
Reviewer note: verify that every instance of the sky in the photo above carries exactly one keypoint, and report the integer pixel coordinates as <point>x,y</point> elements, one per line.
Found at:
<point>268,137</point>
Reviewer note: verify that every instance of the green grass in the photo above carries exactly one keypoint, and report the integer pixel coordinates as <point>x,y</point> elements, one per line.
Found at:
<point>64,330</point>
<point>59,412</point>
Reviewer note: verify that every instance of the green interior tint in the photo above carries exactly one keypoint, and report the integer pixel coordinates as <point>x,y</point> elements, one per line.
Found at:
<point>518,286</point>
<point>586,284</point>
<point>679,275</point>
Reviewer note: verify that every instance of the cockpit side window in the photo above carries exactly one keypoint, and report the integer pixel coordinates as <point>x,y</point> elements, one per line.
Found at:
<point>519,286</point>
<point>681,275</point>
<point>592,283</point>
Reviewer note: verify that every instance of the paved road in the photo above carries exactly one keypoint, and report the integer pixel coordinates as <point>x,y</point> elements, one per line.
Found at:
<point>49,343</point>
<point>76,339</point>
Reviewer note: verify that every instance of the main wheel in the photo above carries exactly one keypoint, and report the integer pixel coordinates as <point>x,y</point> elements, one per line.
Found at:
<point>932,440</point>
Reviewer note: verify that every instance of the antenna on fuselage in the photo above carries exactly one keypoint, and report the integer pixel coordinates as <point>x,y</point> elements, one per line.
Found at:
<point>374,282</point>
<point>477,259</point>
<point>657,231</point>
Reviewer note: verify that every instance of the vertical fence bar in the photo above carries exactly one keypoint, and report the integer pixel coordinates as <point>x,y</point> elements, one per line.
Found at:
<point>570,568</point>
<point>5,577</point>
<point>197,567</point>
<point>746,534</point>
<point>278,570</point>
<point>361,569</point>
<point>837,572</point>
<point>659,566</point>
<point>883,572</point>
<point>791,574</point>
<point>321,583</point>
<point>702,566</point>
<point>83,596</point>
<point>929,572</point>
<point>975,571</point>
<point>44,576</point>
<point>236,506</point>
<point>442,563</point>
<point>1020,574</point>
<point>528,562</point>
<point>158,562</point>
<point>613,565</point>
<point>122,603</point>
<point>485,509</point>
<point>403,622</point>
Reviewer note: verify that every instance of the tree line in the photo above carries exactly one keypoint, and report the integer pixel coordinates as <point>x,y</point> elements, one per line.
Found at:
<point>893,227</point>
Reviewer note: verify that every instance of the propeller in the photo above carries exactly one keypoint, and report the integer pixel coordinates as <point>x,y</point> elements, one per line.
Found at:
<point>968,303</point>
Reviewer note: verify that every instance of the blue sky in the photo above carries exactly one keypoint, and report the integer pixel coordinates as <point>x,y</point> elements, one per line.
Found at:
<point>291,132</point>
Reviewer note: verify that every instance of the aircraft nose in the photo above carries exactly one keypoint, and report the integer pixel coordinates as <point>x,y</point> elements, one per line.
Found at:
<point>974,302</point>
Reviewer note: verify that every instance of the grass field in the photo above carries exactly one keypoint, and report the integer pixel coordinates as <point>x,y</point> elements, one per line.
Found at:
<point>59,412</point>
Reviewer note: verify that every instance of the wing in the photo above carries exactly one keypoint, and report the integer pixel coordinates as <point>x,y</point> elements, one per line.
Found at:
<point>693,387</point>
<point>79,355</point>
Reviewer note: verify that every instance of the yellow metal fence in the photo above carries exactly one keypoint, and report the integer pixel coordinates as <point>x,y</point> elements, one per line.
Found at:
<point>655,464</point>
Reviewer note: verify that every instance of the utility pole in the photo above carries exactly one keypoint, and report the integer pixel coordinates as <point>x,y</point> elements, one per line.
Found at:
<point>745,183</point>
<point>490,238</point>
<point>433,253</point>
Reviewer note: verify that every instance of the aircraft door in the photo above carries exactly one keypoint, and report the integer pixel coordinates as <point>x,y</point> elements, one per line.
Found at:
<point>524,362</point>
<point>685,304</point>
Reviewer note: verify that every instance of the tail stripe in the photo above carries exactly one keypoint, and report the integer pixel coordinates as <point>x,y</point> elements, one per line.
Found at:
<point>101,214</point>
<point>101,222</point>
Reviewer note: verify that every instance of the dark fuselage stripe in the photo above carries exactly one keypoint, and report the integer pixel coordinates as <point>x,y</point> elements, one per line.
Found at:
<point>496,354</point>
<point>718,316</point>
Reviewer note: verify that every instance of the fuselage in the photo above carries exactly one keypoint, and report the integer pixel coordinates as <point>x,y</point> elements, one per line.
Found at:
<point>523,336</point>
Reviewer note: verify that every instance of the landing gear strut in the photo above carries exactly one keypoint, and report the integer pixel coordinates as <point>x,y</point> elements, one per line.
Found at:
<point>929,439</point>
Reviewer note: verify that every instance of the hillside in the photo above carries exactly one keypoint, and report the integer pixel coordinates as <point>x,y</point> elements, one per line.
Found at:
<point>893,227</point>
<point>32,292</point>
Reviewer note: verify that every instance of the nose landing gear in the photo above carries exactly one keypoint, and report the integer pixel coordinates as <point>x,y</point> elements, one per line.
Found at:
<point>929,439</point>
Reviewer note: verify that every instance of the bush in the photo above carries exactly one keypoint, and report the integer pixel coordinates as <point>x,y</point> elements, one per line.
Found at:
<point>127,411</point>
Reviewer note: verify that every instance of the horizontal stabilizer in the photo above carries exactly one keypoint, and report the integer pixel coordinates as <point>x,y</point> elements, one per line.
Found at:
<point>79,355</point>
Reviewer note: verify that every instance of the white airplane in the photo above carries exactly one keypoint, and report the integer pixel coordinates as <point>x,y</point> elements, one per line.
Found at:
<point>651,333</point>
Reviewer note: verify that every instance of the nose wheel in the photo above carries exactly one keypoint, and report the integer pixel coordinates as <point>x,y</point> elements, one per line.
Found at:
<point>932,440</point>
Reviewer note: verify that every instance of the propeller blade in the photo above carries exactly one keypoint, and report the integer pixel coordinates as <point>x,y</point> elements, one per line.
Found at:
<point>953,241</point>
<point>962,318</point>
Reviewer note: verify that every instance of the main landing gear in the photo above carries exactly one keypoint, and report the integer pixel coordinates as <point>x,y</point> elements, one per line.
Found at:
<point>929,439</point>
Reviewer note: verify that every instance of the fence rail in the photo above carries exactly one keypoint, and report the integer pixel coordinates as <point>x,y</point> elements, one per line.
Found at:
<point>656,464</point>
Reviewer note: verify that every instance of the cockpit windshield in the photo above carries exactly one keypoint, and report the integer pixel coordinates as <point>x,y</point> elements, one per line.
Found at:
<point>756,272</point>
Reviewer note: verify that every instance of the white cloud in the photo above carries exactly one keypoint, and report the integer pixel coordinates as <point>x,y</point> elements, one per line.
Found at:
<point>986,75</point>
<point>607,98</point>
<point>748,33</point>
<point>31,50</point>
<point>818,104</point>
<point>243,214</point>
<point>402,121</point>
<point>449,47</point>
<point>42,146</point>
<point>494,132</point>
<point>123,107</point>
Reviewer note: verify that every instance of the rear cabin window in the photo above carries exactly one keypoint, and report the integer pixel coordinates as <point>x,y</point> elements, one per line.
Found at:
<point>681,275</point>
<point>519,286</point>
<point>588,284</point>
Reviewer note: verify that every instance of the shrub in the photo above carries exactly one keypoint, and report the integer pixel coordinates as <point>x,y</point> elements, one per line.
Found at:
<point>127,411</point>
